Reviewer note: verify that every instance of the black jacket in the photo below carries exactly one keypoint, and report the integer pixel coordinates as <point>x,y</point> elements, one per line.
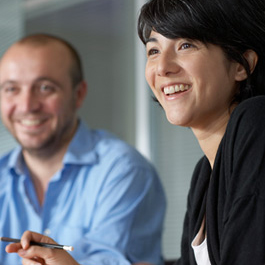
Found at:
<point>232,195</point>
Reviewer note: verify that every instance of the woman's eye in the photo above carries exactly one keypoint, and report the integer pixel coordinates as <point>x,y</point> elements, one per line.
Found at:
<point>185,46</point>
<point>152,52</point>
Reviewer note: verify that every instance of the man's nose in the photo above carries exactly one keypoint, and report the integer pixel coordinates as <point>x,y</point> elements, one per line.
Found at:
<point>28,101</point>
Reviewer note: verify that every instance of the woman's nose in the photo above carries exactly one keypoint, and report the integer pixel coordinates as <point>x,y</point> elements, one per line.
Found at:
<point>167,64</point>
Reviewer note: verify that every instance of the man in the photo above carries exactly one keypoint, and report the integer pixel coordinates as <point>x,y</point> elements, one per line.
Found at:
<point>79,186</point>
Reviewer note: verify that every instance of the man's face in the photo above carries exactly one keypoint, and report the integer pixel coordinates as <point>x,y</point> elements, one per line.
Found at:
<point>38,102</point>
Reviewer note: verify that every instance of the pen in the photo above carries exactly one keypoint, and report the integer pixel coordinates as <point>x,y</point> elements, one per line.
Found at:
<point>47,245</point>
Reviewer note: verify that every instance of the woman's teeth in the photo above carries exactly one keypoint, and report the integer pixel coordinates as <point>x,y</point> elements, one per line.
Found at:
<point>176,88</point>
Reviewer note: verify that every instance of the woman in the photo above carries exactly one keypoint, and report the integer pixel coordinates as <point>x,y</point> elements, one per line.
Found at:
<point>206,67</point>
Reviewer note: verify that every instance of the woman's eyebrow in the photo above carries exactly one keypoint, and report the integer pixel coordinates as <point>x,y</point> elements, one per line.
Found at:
<point>150,40</point>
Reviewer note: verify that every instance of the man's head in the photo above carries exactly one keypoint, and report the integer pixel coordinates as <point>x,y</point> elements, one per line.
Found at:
<point>41,88</point>
<point>40,40</point>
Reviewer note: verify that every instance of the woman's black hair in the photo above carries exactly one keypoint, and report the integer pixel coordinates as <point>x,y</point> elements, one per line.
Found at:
<point>234,25</point>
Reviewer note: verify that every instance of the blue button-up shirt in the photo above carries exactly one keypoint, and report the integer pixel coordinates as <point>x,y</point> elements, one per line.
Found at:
<point>107,202</point>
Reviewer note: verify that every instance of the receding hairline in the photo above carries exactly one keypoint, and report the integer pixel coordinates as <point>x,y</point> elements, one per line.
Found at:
<point>40,40</point>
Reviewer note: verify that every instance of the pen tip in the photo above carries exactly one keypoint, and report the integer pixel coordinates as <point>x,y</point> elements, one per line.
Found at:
<point>68,248</point>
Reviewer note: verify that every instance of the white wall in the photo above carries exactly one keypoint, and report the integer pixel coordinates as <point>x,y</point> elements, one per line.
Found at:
<point>11,29</point>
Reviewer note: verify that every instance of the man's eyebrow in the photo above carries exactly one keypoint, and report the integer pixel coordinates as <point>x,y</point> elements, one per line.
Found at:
<point>39,79</point>
<point>8,82</point>
<point>48,79</point>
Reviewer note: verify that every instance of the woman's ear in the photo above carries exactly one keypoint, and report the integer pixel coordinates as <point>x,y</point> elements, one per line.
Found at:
<point>252,59</point>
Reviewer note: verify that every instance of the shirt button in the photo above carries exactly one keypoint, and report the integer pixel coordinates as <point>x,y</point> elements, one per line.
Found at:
<point>47,232</point>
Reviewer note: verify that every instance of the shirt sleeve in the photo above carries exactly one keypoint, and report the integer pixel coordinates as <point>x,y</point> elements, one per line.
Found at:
<point>242,240</point>
<point>128,219</point>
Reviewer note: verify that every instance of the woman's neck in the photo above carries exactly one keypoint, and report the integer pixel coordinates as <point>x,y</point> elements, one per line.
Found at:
<point>209,138</point>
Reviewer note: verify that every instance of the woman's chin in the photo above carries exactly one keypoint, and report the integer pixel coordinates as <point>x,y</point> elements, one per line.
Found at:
<point>175,119</point>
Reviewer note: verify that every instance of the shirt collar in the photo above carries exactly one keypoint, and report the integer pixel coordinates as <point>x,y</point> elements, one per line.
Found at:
<point>16,161</point>
<point>82,147</point>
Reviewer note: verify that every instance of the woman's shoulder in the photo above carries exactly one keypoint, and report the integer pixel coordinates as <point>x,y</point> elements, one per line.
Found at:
<point>249,112</point>
<point>250,106</point>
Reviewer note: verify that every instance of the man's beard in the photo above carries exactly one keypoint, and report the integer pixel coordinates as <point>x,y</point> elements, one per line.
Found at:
<point>48,147</point>
<point>53,143</point>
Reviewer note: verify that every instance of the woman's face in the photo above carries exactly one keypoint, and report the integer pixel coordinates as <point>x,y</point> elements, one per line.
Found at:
<point>193,82</point>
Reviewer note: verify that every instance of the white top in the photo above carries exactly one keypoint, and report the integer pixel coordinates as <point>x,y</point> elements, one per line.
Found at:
<point>199,245</point>
<point>201,252</point>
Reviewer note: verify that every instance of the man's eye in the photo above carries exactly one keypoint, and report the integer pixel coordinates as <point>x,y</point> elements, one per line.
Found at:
<point>44,88</point>
<point>9,89</point>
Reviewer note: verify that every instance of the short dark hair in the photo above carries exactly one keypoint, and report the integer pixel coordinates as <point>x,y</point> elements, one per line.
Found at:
<point>40,39</point>
<point>234,25</point>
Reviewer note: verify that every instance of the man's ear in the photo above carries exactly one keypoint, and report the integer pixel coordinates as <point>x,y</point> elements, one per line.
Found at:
<point>80,93</point>
<point>252,59</point>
